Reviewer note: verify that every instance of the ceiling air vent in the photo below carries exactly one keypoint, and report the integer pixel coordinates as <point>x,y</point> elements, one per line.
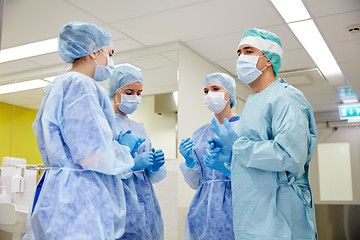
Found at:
<point>353,28</point>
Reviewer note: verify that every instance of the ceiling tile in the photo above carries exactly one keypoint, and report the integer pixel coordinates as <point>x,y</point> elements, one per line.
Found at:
<point>296,59</point>
<point>210,49</point>
<point>151,62</point>
<point>351,69</point>
<point>330,7</point>
<point>120,10</point>
<point>32,21</point>
<point>205,20</point>
<point>16,67</point>
<point>229,65</point>
<point>352,72</point>
<point>124,45</point>
<point>116,34</point>
<point>333,28</point>
<point>48,59</point>
<point>346,51</point>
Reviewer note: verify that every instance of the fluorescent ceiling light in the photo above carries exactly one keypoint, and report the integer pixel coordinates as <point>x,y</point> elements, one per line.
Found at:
<point>29,50</point>
<point>128,64</point>
<point>314,44</point>
<point>291,10</point>
<point>23,86</point>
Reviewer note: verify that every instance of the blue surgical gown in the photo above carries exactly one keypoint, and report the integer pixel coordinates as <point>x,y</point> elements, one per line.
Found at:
<point>82,196</point>
<point>210,215</point>
<point>143,214</point>
<point>269,170</point>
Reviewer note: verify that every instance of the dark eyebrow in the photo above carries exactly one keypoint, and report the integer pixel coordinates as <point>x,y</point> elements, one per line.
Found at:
<point>215,86</point>
<point>245,48</point>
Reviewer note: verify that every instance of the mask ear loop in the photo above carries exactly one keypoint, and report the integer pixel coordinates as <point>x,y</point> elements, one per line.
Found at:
<point>116,101</point>
<point>104,55</point>
<point>265,66</point>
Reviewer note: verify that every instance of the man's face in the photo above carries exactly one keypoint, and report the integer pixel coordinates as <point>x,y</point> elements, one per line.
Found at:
<point>250,50</point>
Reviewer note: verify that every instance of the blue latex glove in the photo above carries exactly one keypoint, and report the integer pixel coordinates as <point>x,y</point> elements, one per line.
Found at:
<point>130,140</point>
<point>219,156</point>
<point>228,136</point>
<point>159,160</point>
<point>143,160</point>
<point>185,149</point>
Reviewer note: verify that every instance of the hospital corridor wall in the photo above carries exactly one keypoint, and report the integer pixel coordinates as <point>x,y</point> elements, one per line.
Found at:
<point>17,137</point>
<point>337,198</point>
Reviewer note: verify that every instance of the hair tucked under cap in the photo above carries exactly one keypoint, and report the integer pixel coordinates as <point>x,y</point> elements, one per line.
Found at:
<point>224,80</point>
<point>123,76</point>
<point>78,39</point>
<point>267,42</point>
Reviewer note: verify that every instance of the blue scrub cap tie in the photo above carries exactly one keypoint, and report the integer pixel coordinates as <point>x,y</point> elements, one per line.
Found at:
<point>267,42</point>
<point>78,39</point>
<point>123,76</point>
<point>224,80</point>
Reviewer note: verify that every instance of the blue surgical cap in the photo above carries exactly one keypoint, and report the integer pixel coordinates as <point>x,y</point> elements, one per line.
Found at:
<point>123,76</point>
<point>224,80</point>
<point>78,39</point>
<point>267,42</point>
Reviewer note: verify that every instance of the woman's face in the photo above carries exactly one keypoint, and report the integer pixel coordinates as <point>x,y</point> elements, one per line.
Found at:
<point>213,87</point>
<point>134,88</point>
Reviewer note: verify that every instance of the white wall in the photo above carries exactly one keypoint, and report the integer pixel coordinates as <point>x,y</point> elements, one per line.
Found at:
<point>350,135</point>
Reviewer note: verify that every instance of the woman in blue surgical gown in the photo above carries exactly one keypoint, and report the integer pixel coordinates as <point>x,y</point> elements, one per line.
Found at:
<point>143,215</point>
<point>81,195</point>
<point>210,212</point>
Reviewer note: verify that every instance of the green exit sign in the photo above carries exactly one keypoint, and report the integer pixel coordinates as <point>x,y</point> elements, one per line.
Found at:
<point>346,92</point>
<point>349,111</point>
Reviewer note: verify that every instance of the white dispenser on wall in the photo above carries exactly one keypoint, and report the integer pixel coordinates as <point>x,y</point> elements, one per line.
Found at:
<point>4,197</point>
<point>17,189</point>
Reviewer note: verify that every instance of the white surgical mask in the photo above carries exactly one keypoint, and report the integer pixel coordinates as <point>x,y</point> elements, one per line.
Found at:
<point>129,103</point>
<point>215,101</point>
<point>104,72</point>
<point>246,68</point>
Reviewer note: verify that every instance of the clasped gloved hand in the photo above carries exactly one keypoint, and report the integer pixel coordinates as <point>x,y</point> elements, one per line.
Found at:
<point>219,156</point>
<point>185,149</point>
<point>130,140</point>
<point>143,160</point>
<point>227,136</point>
<point>159,160</point>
